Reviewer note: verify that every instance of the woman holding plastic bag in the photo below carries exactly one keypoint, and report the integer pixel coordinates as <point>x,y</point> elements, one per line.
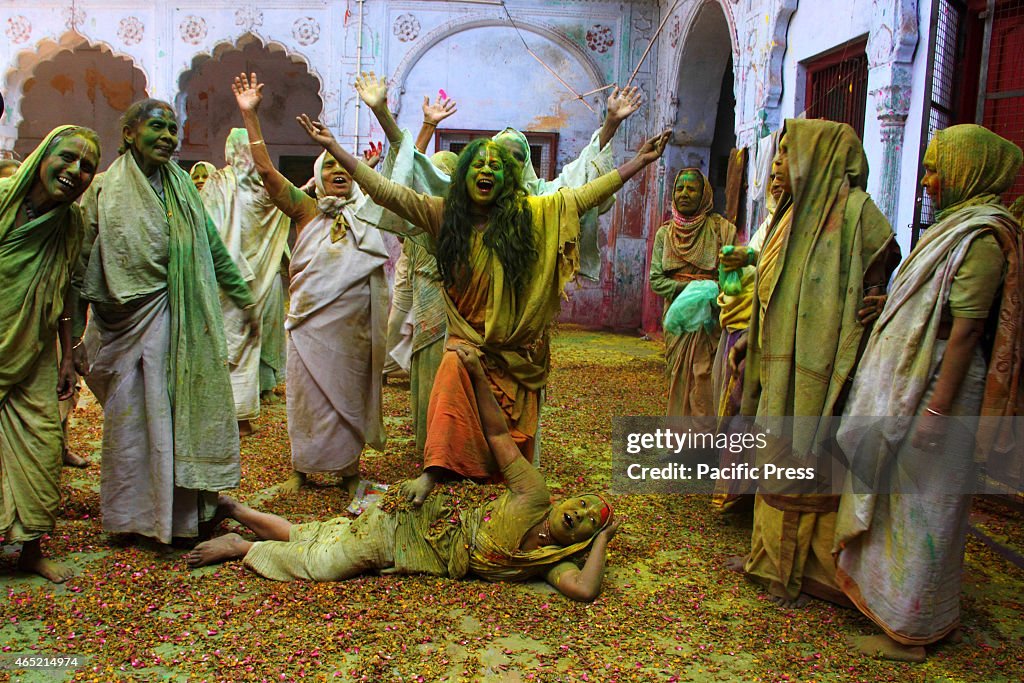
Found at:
<point>684,272</point>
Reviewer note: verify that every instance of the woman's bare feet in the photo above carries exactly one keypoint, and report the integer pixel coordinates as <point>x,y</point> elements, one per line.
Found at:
<point>71,460</point>
<point>736,563</point>
<point>293,483</point>
<point>799,602</point>
<point>883,647</point>
<point>245,428</point>
<point>33,560</point>
<point>217,550</point>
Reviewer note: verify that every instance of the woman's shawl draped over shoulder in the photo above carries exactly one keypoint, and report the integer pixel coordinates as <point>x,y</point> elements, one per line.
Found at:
<point>977,166</point>
<point>131,216</point>
<point>36,260</point>
<point>516,321</point>
<point>811,333</point>
<point>687,242</point>
<point>494,561</point>
<point>316,281</point>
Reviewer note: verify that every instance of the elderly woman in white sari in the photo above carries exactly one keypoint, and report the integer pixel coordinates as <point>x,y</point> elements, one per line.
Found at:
<point>338,316</point>
<point>255,233</point>
<point>157,360</point>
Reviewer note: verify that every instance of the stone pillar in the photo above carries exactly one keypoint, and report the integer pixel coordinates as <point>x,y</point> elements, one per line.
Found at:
<point>892,104</point>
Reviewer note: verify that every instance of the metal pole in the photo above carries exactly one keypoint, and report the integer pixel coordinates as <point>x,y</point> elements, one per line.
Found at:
<point>979,113</point>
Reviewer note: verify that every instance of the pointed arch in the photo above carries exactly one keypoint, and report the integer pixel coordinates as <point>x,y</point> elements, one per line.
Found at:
<point>28,59</point>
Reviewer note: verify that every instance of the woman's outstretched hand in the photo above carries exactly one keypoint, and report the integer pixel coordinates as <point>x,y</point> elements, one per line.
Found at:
<point>248,92</point>
<point>622,103</point>
<point>436,112</point>
<point>372,89</point>
<point>320,133</point>
<point>653,148</point>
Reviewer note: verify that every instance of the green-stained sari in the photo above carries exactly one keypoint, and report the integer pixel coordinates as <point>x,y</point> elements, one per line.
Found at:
<point>36,260</point>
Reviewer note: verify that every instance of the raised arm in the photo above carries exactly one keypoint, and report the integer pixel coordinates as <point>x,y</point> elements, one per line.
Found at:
<point>621,103</point>
<point>419,209</point>
<point>596,191</point>
<point>248,95</point>
<point>433,114</point>
<point>373,91</point>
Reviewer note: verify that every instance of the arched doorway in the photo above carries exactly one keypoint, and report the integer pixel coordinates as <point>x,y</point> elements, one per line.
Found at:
<point>211,112</point>
<point>705,118</point>
<point>706,115</point>
<point>83,84</point>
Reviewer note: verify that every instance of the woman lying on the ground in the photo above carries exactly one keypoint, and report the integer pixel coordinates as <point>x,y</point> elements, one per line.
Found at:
<point>516,537</point>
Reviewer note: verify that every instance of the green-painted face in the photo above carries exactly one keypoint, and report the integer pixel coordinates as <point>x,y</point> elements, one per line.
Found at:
<point>687,194</point>
<point>486,176</point>
<point>575,520</point>
<point>153,139</point>
<point>514,147</point>
<point>65,173</point>
<point>199,176</point>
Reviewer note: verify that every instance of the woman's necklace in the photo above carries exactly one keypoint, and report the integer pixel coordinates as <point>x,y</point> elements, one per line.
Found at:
<point>545,533</point>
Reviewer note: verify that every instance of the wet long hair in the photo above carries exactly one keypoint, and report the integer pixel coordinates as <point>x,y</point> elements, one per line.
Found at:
<point>136,113</point>
<point>509,232</point>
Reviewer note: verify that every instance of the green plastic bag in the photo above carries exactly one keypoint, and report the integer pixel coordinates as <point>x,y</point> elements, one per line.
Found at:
<point>694,308</point>
<point>731,281</point>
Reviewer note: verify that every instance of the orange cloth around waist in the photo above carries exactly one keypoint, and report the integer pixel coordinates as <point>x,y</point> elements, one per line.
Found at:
<point>455,438</point>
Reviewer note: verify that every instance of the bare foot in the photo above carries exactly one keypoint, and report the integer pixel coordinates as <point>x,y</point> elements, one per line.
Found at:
<point>954,637</point>
<point>293,483</point>
<point>217,550</point>
<point>245,428</point>
<point>418,489</point>
<point>736,563</point>
<point>882,646</point>
<point>72,460</point>
<point>32,560</point>
<point>798,602</point>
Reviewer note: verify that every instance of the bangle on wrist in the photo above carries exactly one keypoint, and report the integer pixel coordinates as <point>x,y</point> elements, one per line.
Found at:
<point>751,256</point>
<point>256,142</point>
<point>936,413</point>
<point>65,318</point>
<point>429,123</point>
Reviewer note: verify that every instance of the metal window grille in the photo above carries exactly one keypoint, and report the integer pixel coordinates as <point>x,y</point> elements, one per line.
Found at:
<point>543,146</point>
<point>1001,96</point>
<point>946,51</point>
<point>838,90</point>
